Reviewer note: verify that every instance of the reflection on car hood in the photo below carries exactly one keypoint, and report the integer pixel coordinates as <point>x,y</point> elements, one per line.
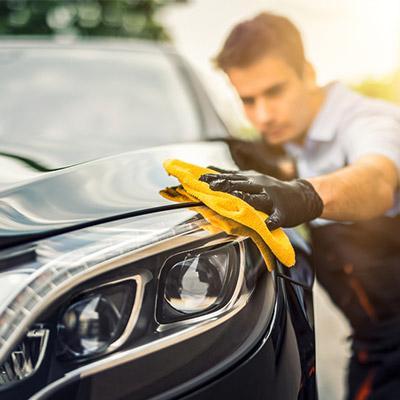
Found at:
<point>129,182</point>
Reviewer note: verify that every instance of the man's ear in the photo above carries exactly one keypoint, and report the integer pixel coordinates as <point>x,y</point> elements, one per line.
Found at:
<point>309,76</point>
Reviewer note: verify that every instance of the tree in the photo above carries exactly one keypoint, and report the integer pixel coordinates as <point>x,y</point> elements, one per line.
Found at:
<point>121,18</point>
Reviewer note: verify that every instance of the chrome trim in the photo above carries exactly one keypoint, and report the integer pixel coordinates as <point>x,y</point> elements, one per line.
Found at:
<point>123,357</point>
<point>76,275</point>
<point>22,372</point>
<point>44,333</point>
<point>141,281</point>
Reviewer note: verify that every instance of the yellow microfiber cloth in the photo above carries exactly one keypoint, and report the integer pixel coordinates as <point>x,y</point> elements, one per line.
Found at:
<point>227,212</point>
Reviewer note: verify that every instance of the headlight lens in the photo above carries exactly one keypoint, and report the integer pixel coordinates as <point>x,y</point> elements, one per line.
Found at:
<point>96,319</point>
<point>197,283</point>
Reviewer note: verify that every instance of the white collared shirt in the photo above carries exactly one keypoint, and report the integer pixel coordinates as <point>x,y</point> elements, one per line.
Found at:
<point>347,127</point>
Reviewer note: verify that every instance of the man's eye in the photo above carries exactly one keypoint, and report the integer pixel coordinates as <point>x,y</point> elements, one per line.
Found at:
<point>248,101</point>
<point>275,91</point>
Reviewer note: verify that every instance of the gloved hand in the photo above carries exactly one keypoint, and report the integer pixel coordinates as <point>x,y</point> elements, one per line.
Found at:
<point>287,203</point>
<point>261,157</point>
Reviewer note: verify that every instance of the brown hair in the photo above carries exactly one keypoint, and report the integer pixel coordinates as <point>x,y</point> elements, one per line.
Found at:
<point>264,34</point>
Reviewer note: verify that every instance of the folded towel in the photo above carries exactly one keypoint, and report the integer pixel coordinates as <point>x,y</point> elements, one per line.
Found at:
<point>218,222</point>
<point>227,212</point>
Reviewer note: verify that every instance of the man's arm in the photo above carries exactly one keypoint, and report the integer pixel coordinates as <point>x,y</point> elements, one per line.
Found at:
<point>362,190</point>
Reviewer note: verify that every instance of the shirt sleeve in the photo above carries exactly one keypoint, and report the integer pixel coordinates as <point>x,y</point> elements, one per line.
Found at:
<point>373,134</point>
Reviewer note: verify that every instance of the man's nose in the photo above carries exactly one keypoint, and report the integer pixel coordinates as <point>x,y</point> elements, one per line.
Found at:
<point>263,110</point>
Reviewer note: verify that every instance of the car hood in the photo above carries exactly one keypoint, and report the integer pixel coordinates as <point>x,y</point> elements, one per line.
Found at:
<point>128,183</point>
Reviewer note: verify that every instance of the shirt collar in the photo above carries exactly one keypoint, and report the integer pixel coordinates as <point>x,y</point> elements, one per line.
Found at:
<point>325,124</point>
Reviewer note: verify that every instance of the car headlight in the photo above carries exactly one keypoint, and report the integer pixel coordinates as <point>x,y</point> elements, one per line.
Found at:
<point>196,282</point>
<point>93,321</point>
<point>136,286</point>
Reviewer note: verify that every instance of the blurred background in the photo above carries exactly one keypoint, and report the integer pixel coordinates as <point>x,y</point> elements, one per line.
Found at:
<point>357,42</point>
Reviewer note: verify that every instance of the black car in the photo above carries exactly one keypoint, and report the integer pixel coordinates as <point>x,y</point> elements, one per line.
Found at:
<point>108,290</point>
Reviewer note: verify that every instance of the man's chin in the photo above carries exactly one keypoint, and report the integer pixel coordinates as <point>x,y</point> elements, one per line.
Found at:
<point>274,139</point>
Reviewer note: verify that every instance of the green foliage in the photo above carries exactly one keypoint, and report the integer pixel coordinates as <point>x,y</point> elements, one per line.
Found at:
<point>247,132</point>
<point>387,88</point>
<point>121,18</point>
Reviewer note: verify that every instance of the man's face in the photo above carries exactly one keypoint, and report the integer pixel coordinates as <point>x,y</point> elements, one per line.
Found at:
<point>276,99</point>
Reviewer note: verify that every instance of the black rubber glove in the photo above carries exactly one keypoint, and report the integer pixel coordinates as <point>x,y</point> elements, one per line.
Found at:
<point>261,157</point>
<point>287,203</point>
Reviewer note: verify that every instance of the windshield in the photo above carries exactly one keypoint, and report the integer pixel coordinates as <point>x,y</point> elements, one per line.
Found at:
<point>92,103</point>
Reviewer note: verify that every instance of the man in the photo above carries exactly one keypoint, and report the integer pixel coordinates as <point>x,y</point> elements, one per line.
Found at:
<point>347,152</point>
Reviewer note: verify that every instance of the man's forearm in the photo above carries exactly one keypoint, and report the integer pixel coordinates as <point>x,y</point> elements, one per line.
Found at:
<point>360,191</point>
